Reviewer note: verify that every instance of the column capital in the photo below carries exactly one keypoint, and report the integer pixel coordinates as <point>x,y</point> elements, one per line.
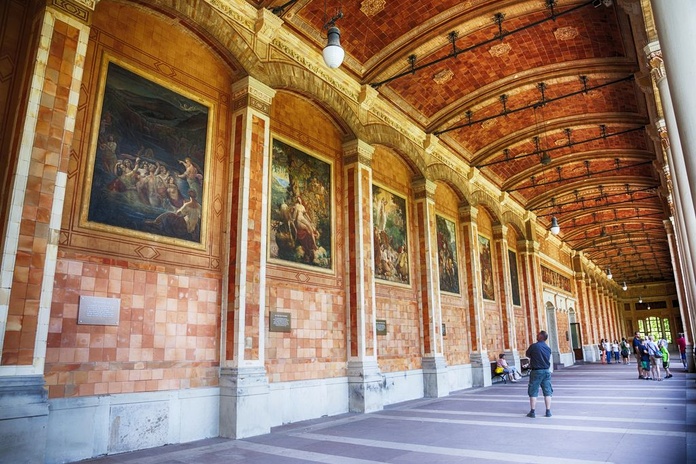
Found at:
<point>500,231</point>
<point>249,92</point>
<point>653,52</point>
<point>423,188</point>
<point>468,213</point>
<point>358,151</point>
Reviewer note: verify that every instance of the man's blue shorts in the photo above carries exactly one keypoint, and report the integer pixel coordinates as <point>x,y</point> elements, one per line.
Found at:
<point>540,377</point>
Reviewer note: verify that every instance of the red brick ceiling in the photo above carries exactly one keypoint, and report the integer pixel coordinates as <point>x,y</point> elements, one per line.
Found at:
<point>486,105</point>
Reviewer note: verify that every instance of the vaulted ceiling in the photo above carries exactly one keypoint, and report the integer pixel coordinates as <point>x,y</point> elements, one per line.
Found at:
<point>543,97</point>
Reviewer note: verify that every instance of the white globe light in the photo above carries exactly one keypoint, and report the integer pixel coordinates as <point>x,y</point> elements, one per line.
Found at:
<point>333,53</point>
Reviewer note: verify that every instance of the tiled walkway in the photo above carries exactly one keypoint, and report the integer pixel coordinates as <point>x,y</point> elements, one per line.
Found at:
<point>601,413</point>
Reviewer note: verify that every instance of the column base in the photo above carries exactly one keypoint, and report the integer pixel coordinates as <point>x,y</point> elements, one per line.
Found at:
<point>590,353</point>
<point>435,377</point>
<point>244,393</point>
<point>690,361</point>
<point>365,384</point>
<point>23,419</point>
<point>480,369</point>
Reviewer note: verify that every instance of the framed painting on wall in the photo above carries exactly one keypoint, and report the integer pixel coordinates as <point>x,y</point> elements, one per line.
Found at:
<point>447,255</point>
<point>514,278</point>
<point>486,260</point>
<point>390,236</point>
<point>146,173</point>
<point>300,209</point>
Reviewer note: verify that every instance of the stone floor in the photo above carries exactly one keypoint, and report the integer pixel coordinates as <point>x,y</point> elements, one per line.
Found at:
<point>601,413</point>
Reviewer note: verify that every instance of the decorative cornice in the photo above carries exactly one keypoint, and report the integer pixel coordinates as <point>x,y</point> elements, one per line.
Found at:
<point>267,25</point>
<point>81,10</point>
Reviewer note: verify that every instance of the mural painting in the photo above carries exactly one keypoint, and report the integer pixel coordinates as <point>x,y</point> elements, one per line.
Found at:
<point>390,236</point>
<point>300,207</point>
<point>147,167</point>
<point>447,255</point>
<point>514,278</point>
<point>486,261</point>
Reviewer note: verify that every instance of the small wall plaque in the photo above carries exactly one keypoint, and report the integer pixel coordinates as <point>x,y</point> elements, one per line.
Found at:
<point>444,330</point>
<point>95,310</point>
<point>280,322</point>
<point>381,326</point>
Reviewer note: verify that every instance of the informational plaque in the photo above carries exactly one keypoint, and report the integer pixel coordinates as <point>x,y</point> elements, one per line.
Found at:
<point>444,330</point>
<point>381,326</point>
<point>279,322</point>
<point>95,310</point>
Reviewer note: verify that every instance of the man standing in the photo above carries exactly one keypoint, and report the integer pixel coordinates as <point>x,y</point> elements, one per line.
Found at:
<point>637,352</point>
<point>681,343</point>
<point>539,355</point>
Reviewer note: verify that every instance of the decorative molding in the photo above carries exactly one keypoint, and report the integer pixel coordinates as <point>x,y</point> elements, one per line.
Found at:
<point>249,92</point>
<point>81,10</point>
<point>500,50</point>
<point>372,7</point>
<point>358,151</point>
<point>566,33</point>
<point>267,25</point>
<point>443,76</point>
<point>424,189</point>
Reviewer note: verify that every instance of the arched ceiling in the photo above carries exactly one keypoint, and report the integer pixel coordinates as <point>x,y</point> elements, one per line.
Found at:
<point>506,84</point>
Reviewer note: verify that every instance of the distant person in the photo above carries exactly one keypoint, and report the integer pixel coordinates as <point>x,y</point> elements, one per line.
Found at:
<point>539,355</point>
<point>615,350</point>
<point>681,343</point>
<point>637,352</point>
<point>507,369</point>
<point>662,345</point>
<point>655,358</point>
<point>607,350</point>
<point>644,362</point>
<point>625,351</point>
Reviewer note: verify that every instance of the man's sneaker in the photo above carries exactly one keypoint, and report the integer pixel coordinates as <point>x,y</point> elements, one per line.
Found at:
<point>669,376</point>
<point>548,413</point>
<point>531,414</point>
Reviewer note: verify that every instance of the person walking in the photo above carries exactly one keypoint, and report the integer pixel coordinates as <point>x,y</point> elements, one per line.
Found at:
<point>602,353</point>
<point>662,345</point>
<point>681,343</point>
<point>539,355</point>
<point>615,350</point>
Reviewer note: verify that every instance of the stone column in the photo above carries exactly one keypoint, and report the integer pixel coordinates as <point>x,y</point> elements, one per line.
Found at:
<point>435,382</point>
<point>29,255</point>
<point>674,21</point>
<point>536,308</point>
<point>364,377</point>
<point>683,308</point>
<point>582,309</point>
<point>505,294</point>
<point>480,364</point>
<point>243,382</point>
<point>676,155</point>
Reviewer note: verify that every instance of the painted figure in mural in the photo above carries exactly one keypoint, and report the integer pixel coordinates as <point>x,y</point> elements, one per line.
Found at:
<point>307,234</point>
<point>191,175</point>
<point>108,152</point>
<point>184,223</point>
